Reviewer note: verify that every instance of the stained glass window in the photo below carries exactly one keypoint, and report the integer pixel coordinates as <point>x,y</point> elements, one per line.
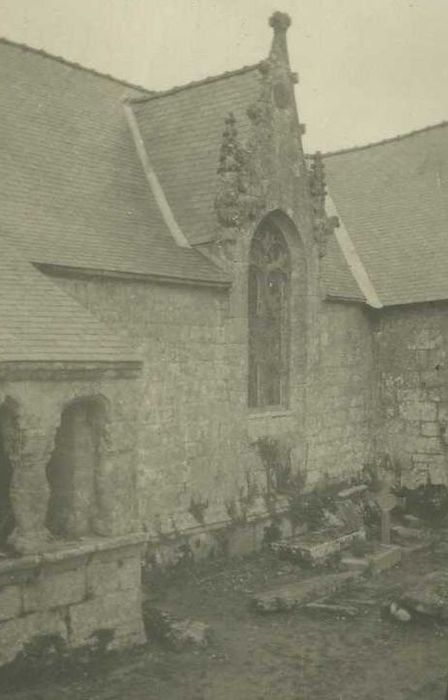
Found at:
<point>269,282</point>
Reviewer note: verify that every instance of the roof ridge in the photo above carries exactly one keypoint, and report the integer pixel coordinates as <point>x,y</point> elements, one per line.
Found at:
<point>195,83</point>
<point>391,139</point>
<point>72,64</point>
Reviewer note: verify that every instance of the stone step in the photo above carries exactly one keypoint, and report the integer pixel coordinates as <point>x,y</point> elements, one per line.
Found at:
<point>295,595</point>
<point>353,492</point>
<point>408,533</point>
<point>384,557</point>
<point>332,609</point>
<point>355,563</point>
<point>317,549</point>
<point>429,596</point>
<point>414,521</point>
<point>387,556</point>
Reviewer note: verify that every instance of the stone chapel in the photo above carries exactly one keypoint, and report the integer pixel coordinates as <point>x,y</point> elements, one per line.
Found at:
<point>181,283</point>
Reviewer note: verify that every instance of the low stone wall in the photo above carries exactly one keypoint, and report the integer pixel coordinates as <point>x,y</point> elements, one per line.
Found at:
<point>226,538</point>
<point>77,593</point>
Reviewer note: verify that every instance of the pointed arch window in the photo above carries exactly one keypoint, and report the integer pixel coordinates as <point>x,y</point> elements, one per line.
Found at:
<point>269,292</point>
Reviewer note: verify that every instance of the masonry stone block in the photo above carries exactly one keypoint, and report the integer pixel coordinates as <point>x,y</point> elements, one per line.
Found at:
<point>129,634</point>
<point>429,429</point>
<point>55,589</point>
<point>428,445</point>
<point>419,410</point>
<point>105,577</point>
<point>110,611</point>
<point>17,632</point>
<point>10,602</point>
<point>241,541</point>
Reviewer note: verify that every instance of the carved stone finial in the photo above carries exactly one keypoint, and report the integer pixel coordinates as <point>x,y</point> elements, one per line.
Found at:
<point>278,56</point>
<point>280,21</point>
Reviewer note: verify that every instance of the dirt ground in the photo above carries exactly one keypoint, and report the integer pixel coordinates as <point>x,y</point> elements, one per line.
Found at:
<point>282,656</point>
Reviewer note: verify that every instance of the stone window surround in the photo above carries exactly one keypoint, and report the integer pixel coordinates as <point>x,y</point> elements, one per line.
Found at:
<point>267,240</point>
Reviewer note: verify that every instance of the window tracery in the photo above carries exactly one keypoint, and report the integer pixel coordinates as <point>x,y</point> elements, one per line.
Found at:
<point>268,292</point>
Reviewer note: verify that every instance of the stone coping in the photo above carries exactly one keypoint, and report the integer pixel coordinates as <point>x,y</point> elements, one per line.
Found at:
<point>252,517</point>
<point>71,550</point>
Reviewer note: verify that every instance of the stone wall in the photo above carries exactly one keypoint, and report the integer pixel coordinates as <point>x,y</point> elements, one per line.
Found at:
<point>195,429</point>
<point>412,415</point>
<point>192,442</point>
<point>197,465</point>
<point>81,596</point>
<point>340,397</point>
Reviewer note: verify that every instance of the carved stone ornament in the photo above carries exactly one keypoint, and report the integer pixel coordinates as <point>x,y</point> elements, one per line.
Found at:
<point>324,226</point>
<point>236,201</point>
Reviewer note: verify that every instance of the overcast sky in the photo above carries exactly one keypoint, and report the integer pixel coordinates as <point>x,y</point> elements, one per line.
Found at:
<point>369,69</point>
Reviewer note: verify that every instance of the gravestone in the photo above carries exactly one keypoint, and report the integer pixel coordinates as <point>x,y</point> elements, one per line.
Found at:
<point>386,502</point>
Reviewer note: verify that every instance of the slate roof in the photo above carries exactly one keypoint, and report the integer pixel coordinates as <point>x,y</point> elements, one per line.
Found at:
<point>393,199</point>
<point>182,130</point>
<point>73,191</point>
<point>338,281</point>
<point>39,322</point>
<point>74,194</point>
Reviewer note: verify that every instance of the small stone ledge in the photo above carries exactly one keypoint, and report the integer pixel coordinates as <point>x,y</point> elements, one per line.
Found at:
<point>270,413</point>
<point>68,551</point>
<point>296,595</point>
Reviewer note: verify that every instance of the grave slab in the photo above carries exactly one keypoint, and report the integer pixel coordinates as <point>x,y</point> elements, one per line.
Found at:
<point>294,595</point>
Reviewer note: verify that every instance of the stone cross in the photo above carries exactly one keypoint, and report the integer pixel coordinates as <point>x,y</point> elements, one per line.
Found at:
<point>386,501</point>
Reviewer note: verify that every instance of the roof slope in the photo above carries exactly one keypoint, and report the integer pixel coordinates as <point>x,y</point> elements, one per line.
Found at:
<point>337,279</point>
<point>73,192</point>
<point>393,199</point>
<point>182,130</point>
<point>40,322</point>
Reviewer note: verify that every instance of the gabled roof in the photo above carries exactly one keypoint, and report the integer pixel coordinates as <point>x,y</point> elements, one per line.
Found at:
<point>393,200</point>
<point>73,193</point>
<point>182,131</point>
<point>41,323</point>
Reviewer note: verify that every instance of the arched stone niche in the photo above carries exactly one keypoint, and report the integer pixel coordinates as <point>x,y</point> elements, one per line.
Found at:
<point>75,467</point>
